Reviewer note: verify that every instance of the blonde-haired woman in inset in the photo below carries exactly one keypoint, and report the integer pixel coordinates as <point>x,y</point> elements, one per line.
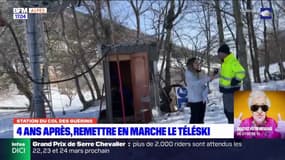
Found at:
<point>259,125</point>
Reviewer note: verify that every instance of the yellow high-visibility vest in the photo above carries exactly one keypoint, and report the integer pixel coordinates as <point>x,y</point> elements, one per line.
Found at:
<point>231,69</point>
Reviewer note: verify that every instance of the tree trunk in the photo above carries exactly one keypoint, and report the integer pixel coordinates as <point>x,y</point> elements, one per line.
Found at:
<point>93,79</point>
<point>250,43</point>
<point>168,50</point>
<point>267,55</point>
<point>169,23</point>
<point>254,43</point>
<point>22,87</point>
<point>20,81</point>
<point>136,8</point>
<point>160,31</point>
<point>231,31</point>
<point>168,46</point>
<point>79,92</point>
<point>219,22</point>
<point>70,100</point>
<point>250,48</point>
<point>207,31</point>
<point>21,84</point>
<point>281,58</point>
<point>90,87</point>
<point>85,63</point>
<point>241,43</point>
<point>95,27</point>
<point>105,27</point>
<point>110,35</point>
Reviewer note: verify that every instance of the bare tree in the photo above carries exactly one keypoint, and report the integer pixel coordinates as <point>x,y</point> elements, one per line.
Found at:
<point>82,51</point>
<point>267,55</point>
<point>137,8</point>
<point>95,16</point>
<point>228,25</point>
<point>219,22</point>
<point>241,43</point>
<point>67,89</point>
<point>159,25</point>
<point>17,78</point>
<point>207,32</point>
<point>158,22</point>
<point>169,23</point>
<point>74,61</point>
<point>281,57</point>
<point>8,58</point>
<point>253,43</point>
<point>79,92</point>
<point>111,22</point>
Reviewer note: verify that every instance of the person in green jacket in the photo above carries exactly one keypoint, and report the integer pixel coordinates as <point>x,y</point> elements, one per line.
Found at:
<point>231,75</point>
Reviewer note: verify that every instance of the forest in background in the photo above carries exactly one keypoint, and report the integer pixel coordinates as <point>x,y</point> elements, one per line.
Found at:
<point>73,29</point>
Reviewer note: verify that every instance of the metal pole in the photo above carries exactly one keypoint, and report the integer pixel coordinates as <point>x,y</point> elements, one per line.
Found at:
<point>34,54</point>
<point>156,88</point>
<point>107,81</point>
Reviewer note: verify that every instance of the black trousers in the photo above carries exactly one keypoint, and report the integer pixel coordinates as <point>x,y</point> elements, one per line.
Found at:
<point>230,116</point>
<point>197,112</point>
<point>228,100</point>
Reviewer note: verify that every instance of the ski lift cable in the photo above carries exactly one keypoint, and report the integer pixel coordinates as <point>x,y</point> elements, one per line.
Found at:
<point>50,82</point>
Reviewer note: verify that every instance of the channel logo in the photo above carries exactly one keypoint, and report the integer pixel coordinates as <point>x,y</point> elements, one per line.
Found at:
<point>20,13</point>
<point>265,13</point>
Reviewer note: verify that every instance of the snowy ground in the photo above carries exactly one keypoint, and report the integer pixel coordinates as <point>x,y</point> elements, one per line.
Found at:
<point>214,111</point>
<point>59,102</point>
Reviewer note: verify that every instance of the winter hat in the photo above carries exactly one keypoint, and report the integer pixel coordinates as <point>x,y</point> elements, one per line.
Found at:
<point>224,48</point>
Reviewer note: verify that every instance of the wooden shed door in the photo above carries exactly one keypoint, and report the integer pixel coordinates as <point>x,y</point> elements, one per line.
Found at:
<point>140,82</point>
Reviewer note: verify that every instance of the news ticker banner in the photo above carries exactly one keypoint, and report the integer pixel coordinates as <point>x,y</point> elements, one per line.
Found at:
<point>29,149</point>
<point>79,128</point>
<point>140,149</point>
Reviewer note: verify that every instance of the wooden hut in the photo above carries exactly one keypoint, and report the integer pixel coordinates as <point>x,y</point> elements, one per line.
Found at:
<point>130,82</point>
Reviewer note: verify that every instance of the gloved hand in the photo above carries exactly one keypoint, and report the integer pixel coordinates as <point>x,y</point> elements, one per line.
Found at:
<point>280,126</point>
<point>237,122</point>
<point>234,82</point>
<point>216,71</point>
